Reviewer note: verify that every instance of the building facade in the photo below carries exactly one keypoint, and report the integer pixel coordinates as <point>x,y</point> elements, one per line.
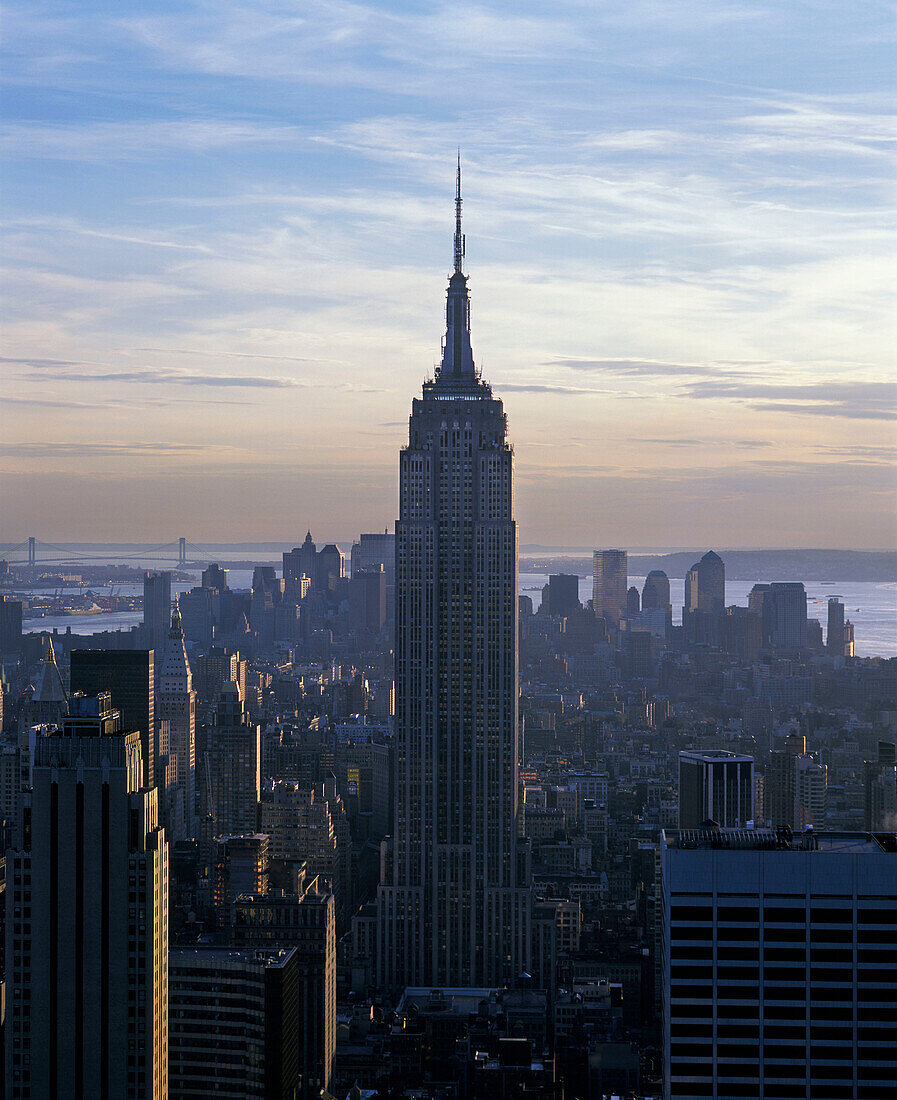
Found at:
<point>715,785</point>
<point>177,706</point>
<point>609,581</point>
<point>87,945</point>
<point>779,966</point>
<point>454,900</point>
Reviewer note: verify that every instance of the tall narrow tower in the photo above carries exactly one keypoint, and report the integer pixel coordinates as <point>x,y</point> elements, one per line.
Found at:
<point>454,903</point>
<point>176,705</point>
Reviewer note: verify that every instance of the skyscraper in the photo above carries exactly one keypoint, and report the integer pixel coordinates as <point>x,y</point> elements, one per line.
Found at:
<point>88,948</point>
<point>454,903</point>
<point>777,964</point>
<point>156,608</point>
<point>715,785</point>
<point>234,764</point>
<point>128,675</point>
<point>177,707</point>
<point>705,600</point>
<point>609,578</point>
<point>834,638</point>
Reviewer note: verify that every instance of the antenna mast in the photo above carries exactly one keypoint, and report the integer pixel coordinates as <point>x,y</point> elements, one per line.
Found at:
<point>459,236</point>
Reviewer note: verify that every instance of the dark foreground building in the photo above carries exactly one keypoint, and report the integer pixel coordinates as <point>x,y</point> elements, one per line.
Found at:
<point>779,964</point>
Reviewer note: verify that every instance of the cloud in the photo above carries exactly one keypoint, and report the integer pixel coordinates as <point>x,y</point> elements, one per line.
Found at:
<point>641,367</point>
<point>165,376</point>
<point>535,387</point>
<point>109,450</point>
<point>857,400</point>
<point>746,444</point>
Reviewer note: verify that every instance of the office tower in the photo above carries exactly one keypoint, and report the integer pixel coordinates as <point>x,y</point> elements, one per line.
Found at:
<point>49,701</point>
<point>129,677</point>
<point>454,901</point>
<point>156,608</point>
<point>307,922</point>
<point>241,866</point>
<point>609,577</point>
<point>10,627</point>
<point>214,669</point>
<point>330,566</point>
<point>561,595</point>
<point>309,825</point>
<point>705,600</point>
<point>715,785</point>
<point>88,948</point>
<point>880,790</point>
<point>779,780</point>
<point>788,628</point>
<point>742,633</point>
<point>834,638</point>
<point>234,751</point>
<point>779,968</point>
<point>633,603</point>
<point>367,599</point>
<point>796,786</point>
<point>810,791</point>
<point>656,591</point>
<point>849,641</point>
<point>232,1030</point>
<point>761,604</point>
<point>213,576</point>
<point>373,550</point>
<point>177,707</point>
<point>296,582</point>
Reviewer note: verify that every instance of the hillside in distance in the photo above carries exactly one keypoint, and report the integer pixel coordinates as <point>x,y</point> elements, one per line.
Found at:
<point>747,565</point>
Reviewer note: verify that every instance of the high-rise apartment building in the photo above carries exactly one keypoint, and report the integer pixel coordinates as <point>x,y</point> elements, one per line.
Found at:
<point>778,964</point>
<point>455,898</point>
<point>233,768</point>
<point>233,1032</point>
<point>177,706</point>
<point>789,615</point>
<point>715,785</point>
<point>156,608</point>
<point>129,677</point>
<point>609,581</point>
<point>87,947</point>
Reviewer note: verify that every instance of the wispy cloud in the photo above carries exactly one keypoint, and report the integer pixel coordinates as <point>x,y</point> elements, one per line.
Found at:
<point>856,400</point>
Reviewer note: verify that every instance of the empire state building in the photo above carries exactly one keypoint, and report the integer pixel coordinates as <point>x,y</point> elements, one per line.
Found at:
<point>454,901</point>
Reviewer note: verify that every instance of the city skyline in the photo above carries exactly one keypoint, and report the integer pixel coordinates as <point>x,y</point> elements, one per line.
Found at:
<point>224,265</point>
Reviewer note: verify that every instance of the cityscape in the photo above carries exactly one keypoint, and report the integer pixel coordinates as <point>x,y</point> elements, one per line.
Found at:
<point>388,827</point>
<point>511,715</point>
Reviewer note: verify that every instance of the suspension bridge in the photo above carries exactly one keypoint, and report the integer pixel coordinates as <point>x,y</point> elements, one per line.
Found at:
<point>33,552</point>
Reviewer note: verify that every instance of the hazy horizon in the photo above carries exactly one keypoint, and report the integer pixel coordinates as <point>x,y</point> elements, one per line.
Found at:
<point>228,230</point>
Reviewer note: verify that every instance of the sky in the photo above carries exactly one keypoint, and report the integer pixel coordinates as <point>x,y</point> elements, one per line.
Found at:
<point>228,229</point>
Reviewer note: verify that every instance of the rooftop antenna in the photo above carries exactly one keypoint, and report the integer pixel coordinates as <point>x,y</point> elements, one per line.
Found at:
<point>459,236</point>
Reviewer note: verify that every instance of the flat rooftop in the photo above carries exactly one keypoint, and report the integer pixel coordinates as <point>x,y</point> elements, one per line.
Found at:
<point>780,840</point>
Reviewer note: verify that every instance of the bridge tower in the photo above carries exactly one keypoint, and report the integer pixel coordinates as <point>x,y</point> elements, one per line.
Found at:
<point>182,551</point>
<point>32,550</point>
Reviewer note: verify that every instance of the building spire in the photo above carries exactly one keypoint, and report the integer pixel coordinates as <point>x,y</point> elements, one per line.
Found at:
<point>457,356</point>
<point>459,236</point>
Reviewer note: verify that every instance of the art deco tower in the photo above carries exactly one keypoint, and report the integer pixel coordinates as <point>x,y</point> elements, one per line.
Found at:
<point>176,706</point>
<point>454,903</point>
